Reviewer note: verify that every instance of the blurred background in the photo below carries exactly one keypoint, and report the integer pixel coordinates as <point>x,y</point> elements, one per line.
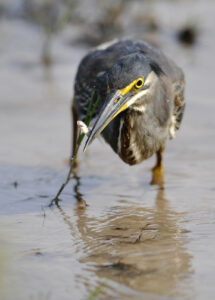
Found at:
<point>132,240</point>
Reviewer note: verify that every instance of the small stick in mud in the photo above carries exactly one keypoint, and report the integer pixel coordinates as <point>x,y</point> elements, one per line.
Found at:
<point>83,130</point>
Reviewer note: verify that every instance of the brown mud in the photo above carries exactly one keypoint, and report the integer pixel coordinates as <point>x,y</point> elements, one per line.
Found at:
<point>112,229</point>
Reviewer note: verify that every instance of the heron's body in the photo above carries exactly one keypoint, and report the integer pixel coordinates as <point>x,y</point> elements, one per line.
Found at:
<point>153,108</point>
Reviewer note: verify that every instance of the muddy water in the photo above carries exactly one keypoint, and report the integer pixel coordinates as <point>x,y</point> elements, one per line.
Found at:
<point>113,231</point>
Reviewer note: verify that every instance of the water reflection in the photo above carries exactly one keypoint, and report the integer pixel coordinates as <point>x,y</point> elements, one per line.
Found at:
<point>141,248</point>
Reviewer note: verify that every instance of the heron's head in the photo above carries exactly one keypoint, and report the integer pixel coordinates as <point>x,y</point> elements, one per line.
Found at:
<point>130,84</point>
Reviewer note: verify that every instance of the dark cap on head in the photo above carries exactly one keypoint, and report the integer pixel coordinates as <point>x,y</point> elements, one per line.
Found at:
<point>129,68</point>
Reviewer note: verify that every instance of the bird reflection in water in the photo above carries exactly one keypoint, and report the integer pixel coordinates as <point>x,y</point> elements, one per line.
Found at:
<point>138,247</point>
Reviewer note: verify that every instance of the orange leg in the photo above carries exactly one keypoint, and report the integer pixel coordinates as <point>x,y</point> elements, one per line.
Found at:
<point>159,155</point>
<point>157,171</point>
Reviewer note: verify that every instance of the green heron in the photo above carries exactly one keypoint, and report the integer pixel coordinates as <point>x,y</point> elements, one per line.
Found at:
<point>141,98</point>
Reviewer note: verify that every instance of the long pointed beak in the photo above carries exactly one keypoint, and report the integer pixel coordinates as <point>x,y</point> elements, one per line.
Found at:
<point>114,104</point>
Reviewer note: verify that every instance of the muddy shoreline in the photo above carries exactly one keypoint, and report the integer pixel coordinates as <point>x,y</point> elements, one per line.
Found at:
<point>132,240</point>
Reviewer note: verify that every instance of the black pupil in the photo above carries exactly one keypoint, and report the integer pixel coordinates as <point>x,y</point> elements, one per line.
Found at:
<point>139,82</point>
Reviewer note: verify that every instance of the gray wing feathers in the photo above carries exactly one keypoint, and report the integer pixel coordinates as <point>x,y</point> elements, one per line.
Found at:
<point>179,106</point>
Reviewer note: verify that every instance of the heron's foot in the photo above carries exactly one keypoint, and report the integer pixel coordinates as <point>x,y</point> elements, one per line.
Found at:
<point>158,176</point>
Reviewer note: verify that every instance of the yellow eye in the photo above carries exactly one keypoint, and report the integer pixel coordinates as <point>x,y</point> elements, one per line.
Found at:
<point>139,83</point>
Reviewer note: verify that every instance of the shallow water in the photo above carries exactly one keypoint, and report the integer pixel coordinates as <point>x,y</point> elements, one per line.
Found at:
<point>113,230</point>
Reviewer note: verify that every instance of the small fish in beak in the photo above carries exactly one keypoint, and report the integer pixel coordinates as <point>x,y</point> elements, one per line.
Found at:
<point>82,127</point>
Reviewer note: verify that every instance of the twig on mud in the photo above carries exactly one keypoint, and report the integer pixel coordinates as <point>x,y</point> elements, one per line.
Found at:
<point>89,115</point>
